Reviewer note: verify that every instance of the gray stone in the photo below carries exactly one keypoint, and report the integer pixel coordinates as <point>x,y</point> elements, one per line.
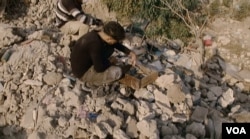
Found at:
<point>235,108</point>
<point>156,65</point>
<point>190,136</point>
<point>216,90</point>
<point>199,114</point>
<point>196,129</point>
<point>169,129</point>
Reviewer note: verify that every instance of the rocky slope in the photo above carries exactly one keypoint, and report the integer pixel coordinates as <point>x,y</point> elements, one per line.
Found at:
<point>40,100</point>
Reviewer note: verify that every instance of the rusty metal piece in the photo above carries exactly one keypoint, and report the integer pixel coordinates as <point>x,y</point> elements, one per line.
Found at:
<point>135,82</point>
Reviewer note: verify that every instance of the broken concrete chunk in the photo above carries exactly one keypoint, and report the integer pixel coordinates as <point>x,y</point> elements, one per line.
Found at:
<point>143,93</point>
<point>131,129</point>
<point>33,82</point>
<point>169,129</point>
<point>243,117</point>
<point>123,105</point>
<point>175,94</point>
<point>196,129</point>
<point>165,80</point>
<point>190,136</point>
<point>119,134</point>
<point>72,99</point>
<point>148,128</point>
<point>199,114</point>
<point>27,121</point>
<point>100,131</point>
<point>52,78</point>
<point>216,90</point>
<point>161,98</point>
<point>227,98</point>
<point>179,118</point>
<point>107,127</point>
<point>62,121</point>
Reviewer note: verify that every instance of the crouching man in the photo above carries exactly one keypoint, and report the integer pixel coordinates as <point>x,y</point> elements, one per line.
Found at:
<point>91,53</point>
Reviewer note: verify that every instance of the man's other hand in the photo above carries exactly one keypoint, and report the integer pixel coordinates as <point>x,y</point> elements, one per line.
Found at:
<point>133,58</point>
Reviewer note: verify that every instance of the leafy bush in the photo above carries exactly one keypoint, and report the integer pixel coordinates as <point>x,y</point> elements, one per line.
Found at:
<point>15,8</point>
<point>162,20</point>
<point>242,11</point>
<point>214,8</point>
<point>227,3</point>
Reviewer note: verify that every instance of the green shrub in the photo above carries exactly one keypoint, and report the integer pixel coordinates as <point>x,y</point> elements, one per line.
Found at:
<point>242,11</point>
<point>162,20</point>
<point>227,3</point>
<point>214,8</point>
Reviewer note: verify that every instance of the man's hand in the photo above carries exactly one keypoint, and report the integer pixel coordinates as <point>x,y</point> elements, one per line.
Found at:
<point>113,60</point>
<point>133,58</point>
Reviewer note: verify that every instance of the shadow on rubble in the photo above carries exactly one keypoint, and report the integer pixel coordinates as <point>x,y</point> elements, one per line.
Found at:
<point>12,131</point>
<point>15,9</point>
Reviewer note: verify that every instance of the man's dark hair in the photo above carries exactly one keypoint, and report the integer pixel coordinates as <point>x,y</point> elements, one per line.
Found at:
<point>115,30</point>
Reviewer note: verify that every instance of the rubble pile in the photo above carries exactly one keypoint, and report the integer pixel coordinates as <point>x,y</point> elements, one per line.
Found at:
<point>39,99</point>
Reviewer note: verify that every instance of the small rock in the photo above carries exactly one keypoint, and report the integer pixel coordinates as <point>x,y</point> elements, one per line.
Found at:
<point>131,129</point>
<point>119,134</point>
<point>199,114</point>
<point>227,98</point>
<point>148,128</point>
<point>101,132</point>
<point>196,129</point>
<point>62,121</point>
<point>243,117</point>
<point>190,136</point>
<point>144,94</point>
<point>52,78</point>
<point>175,95</point>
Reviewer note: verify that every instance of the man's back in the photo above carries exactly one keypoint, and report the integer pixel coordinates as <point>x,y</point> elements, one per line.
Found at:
<point>89,50</point>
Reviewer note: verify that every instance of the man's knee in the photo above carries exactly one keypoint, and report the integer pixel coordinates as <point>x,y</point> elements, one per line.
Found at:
<point>114,72</point>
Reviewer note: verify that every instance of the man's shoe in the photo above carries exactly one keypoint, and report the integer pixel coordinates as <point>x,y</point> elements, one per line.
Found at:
<point>88,88</point>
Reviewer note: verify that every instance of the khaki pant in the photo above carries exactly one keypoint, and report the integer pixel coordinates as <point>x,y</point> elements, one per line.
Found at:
<point>111,74</point>
<point>74,27</point>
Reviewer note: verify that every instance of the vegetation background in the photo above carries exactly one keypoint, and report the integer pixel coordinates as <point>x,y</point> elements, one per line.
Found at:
<point>178,22</point>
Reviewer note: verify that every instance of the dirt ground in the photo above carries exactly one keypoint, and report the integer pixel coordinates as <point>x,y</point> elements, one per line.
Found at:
<point>232,40</point>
